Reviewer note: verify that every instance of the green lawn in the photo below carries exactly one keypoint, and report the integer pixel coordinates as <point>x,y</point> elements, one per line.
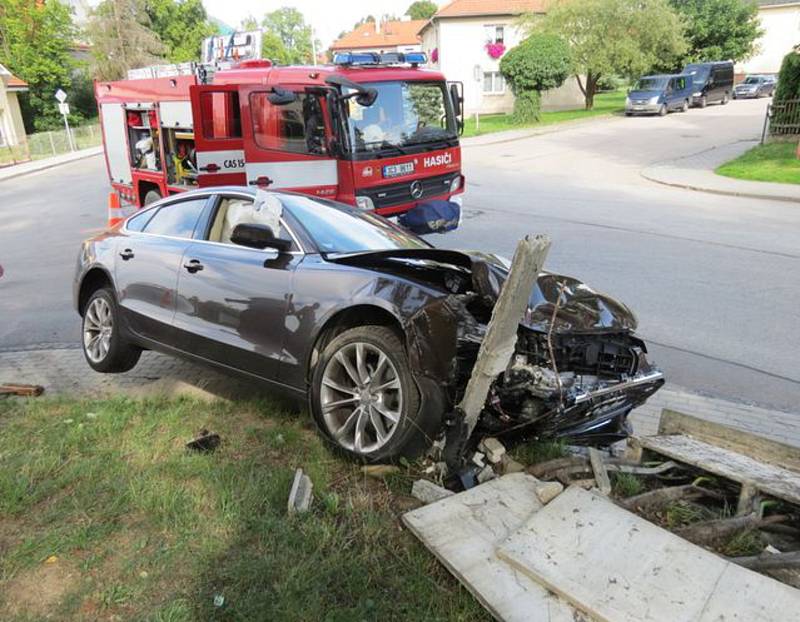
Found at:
<point>776,162</point>
<point>604,104</point>
<point>104,514</point>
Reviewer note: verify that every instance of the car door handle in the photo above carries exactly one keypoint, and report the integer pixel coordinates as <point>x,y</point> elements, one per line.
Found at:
<point>193,266</point>
<point>126,254</point>
<point>261,181</point>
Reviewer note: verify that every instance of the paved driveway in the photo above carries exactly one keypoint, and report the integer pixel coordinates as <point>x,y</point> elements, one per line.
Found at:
<point>714,280</point>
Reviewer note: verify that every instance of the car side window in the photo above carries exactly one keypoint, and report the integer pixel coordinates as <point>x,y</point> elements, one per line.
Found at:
<point>176,219</point>
<point>137,222</point>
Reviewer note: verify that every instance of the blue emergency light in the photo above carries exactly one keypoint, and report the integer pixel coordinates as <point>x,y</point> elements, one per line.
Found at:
<point>354,59</point>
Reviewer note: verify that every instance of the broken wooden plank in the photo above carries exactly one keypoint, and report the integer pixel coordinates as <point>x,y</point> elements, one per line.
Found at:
<point>767,478</point>
<point>746,443</point>
<point>22,390</point>
<point>619,567</point>
<point>600,473</point>
<point>769,561</point>
<point>462,531</point>
<point>501,333</point>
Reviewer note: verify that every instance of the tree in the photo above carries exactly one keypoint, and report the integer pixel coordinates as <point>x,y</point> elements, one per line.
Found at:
<point>720,29</point>
<point>287,37</point>
<point>35,39</point>
<point>181,25</point>
<point>789,77</point>
<point>422,9</point>
<point>626,37</point>
<point>121,38</point>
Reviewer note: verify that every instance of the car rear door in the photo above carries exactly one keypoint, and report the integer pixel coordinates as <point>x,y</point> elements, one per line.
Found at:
<point>287,146</point>
<point>218,135</point>
<point>149,256</point>
<point>232,300</point>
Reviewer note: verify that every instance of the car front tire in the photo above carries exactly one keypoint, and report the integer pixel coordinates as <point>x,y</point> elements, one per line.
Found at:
<point>685,106</point>
<point>662,112</point>
<point>703,102</point>
<point>104,345</point>
<point>364,398</point>
<point>151,197</point>
<point>725,99</point>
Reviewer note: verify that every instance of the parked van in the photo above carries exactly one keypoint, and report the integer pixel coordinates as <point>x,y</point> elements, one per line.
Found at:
<point>659,94</point>
<point>712,82</point>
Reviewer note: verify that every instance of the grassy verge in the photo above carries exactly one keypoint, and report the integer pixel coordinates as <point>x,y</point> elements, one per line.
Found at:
<point>604,104</point>
<point>105,515</point>
<point>776,162</point>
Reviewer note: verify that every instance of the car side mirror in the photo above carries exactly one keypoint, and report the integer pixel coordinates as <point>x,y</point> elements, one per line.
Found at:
<point>258,236</point>
<point>281,97</point>
<point>367,98</point>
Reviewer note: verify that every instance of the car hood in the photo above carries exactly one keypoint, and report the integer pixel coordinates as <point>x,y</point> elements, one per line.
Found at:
<point>581,309</point>
<point>643,94</point>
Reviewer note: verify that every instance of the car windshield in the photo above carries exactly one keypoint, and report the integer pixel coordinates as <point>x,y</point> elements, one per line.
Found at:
<point>404,114</point>
<point>752,80</point>
<point>650,84</point>
<point>338,228</point>
<point>699,73</point>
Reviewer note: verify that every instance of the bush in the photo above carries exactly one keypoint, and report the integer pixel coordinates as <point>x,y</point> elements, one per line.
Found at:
<point>541,62</point>
<point>789,77</point>
<point>527,106</point>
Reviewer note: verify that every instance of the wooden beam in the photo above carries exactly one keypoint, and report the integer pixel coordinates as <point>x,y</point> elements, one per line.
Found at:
<point>501,334</point>
<point>600,472</point>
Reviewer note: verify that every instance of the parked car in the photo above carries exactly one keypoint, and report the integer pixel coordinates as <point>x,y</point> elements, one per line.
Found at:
<point>375,327</point>
<point>755,86</point>
<point>659,95</point>
<point>711,82</point>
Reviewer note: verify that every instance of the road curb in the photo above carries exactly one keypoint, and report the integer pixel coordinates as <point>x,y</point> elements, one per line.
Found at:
<point>507,136</point>
<point>683,173</point>
<point>26,168</point>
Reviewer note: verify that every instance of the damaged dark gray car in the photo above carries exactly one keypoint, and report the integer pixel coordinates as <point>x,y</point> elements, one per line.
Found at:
<point>378,329</point>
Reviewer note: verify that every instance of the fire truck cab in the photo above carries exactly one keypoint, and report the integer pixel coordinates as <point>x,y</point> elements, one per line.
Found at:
<point>375,131</point>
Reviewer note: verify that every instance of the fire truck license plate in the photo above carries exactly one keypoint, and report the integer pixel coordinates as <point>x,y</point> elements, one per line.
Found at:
<point>396,170</point>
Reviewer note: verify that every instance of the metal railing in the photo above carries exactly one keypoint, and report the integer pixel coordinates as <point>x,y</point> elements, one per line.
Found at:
<point>782,120</point>
<point>52,143</point>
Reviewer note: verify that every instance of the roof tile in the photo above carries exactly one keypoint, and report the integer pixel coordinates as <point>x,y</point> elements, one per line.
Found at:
<point>465,8</point>
<point>391,34</point>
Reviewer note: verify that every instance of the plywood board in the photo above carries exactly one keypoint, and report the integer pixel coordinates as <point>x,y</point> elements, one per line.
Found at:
<point>768,478</point>
<point>463,531</point>
<point>619,567</point>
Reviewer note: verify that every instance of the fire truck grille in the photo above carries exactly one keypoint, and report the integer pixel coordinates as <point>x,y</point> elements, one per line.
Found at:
<point>399,193</point>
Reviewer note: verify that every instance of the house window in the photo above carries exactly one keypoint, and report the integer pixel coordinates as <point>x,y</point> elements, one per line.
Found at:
<point>494,83</point>
<point>494,33</point>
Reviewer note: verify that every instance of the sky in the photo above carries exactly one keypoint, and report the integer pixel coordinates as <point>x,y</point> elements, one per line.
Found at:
<point>327,17</point>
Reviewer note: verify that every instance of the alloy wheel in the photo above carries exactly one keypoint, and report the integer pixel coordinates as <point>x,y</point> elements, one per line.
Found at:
<point>361,397</point>
<point>98,326</point>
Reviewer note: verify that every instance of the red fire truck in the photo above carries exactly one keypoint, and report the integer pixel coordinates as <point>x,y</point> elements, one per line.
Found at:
<point>376,131</point>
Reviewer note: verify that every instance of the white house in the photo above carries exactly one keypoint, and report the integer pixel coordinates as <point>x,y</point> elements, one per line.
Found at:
<point>456,39</point>
<point>12,131</point>
<point>384,36</point>
<point>780,20</point>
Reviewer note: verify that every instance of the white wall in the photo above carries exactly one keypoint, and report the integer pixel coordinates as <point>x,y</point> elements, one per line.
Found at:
<point>461,41</point>
<point>781,26</point>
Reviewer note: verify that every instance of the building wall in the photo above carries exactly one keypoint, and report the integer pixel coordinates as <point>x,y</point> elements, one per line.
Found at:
<point>462,57</point>
<point>781,25</point>
<point>11,117</point>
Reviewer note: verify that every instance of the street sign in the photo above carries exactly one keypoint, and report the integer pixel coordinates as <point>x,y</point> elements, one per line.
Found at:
<point>61,96</point>
<point>63,108</point>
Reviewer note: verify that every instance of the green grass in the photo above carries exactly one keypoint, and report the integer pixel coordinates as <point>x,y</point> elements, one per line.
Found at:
<point>534,452</point>
<point>604,104</point>
<point>627,485</point>
<point>776,162</point>
<point>104,514</point>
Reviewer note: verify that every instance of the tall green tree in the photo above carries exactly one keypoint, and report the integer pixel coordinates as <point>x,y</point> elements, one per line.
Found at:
<point>287,26</point>
<point>35,40</point>
<point>422,9</point>
<point>181,25</point>
<point>625,37</point>
<point>720,29</point>
<point>121,38</point>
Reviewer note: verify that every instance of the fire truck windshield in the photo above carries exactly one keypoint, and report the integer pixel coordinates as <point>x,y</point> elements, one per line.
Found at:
<point>405,114</point>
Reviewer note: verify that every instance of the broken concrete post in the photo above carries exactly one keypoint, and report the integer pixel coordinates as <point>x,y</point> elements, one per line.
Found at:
<point>494,449</point>
<point>600,472</point>
<point>501,334</point>
<point>428,492</point>
<point>300,494</point>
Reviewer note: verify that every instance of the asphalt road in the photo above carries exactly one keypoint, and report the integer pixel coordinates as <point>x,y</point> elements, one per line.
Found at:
<point>714,280</point>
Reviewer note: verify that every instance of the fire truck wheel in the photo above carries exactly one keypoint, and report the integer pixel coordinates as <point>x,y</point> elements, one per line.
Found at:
<point>152,196</point>
<point>104,344</point>
<point>364,398</point>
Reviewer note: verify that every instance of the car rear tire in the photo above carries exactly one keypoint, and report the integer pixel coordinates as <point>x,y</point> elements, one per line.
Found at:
<point>662,112</point>
<point>703,102</point>
<point>364,398</point>
<point>725,99</point>
<point>152,196</point>
<point>104,344</point>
